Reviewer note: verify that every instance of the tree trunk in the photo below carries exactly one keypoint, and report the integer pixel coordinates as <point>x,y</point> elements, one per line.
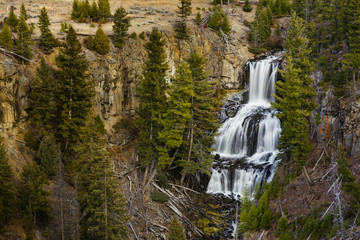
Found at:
<point>150,180</point>
<point>190,150</point>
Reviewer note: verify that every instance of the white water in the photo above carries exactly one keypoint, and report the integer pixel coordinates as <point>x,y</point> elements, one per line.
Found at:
<point>247,143</point>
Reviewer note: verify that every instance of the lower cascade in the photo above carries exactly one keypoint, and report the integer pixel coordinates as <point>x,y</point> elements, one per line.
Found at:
<point>246,145</point>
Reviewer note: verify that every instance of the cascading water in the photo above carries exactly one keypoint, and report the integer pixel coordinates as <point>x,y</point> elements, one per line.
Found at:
<point>246,145</point>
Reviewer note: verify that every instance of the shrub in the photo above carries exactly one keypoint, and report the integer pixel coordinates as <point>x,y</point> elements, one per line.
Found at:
<point>89,43</point>
<point>101,42</point>
<point>142,35</point>
<point>163,181</point>
<point>219,20</point>
<point>159,196</point>
<point>247,7</point>
<point>133,35</point>
<point>176,230</point>
<point>198,19</point>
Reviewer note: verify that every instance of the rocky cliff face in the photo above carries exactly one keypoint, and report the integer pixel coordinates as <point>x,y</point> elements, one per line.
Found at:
<point>116,75</point>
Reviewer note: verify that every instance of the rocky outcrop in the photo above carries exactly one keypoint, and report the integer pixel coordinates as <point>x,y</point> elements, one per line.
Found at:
<point>116,75</point>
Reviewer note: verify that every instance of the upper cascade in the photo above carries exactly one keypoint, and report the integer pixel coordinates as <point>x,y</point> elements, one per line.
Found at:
<point>246,145</point>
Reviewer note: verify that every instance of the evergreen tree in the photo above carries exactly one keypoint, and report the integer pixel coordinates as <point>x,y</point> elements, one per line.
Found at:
<point>152,104</point>
<point>247,7</point>
<point>260,28</point>
<point>33,197</point>
<point>12,20</point>
<point>177,116</point>
<point>198,19</point>
<point>47,40</point>
<point>354,26</point>
<point>6,38</point>
<point>120,27</point>
<point>23,13</point>
<point>101,42</point>
<point>199,135</point>
<point>73,93</point>
<point>219,21</point>
<point>176,230</point>
<point>103,213</point>
<point>294,95</point>
<point>104,10</point>
<point>23,39</point>
<point>94,12</point>
<point>7,196</point>
<point>184,12</point>
<point>266,220</point>
<point>41,97</point>
<point>48,155</point>
<point>75,12</point>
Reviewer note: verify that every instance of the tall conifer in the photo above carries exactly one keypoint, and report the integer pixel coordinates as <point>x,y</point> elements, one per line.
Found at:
<point>41,97</point>
<point>12,20</point>
<point>23,13</point>
<point>7,196</point>
<point>196,151</point>
<point>47,40</point>
<point>48,155</point>
<point>294,96</point>
<point>152,104</point>
<point>175,120</point>
<point>33,197</point>
<point>6,38</point>
<point>184,12</point>
<point>120,27</point>
<point>23,39</point>
<point>104,10</point>
<point>103,213</point>
<point>73,92</point>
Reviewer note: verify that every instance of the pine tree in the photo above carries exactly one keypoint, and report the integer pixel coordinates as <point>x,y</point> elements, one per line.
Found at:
<point>23,39</point>
<point>7,196</point>
<point>266,220</point>
<point>23,13</point>
<point>184,12</point>
<point>48,155</point>
<point>177,116</point>
<point>104,10</point>
<point>47,40</point>
<point>41,97</point>
<point>6,38</point>
<point>219,20</point>
<point>103,213</point>
<point>198,19</point>
<point>176,230</point>
<point>73,93</point>
<point>120,27</point>
<point>247,7</point>
<point>33,197</point>
<point>294,95</point>
<point>152,103</point>
<point>12,20</point>
<point>94,12</point>
<point>101,42</point>
<point>75,12</point>
<point>196,150</point>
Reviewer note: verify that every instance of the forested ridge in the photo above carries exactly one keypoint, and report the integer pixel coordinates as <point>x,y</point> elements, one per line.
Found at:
<point>98,194</point>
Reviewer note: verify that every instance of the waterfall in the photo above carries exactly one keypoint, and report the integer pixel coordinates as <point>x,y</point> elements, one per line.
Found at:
<point>246,144</point>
